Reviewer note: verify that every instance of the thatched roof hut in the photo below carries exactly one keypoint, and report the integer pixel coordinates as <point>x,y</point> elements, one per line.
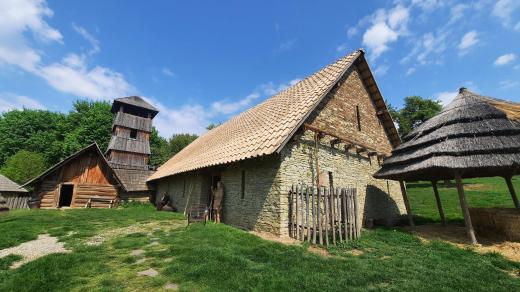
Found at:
<point>474,136</point>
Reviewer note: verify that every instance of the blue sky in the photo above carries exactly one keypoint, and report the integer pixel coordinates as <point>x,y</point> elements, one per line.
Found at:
<point>205,61</point>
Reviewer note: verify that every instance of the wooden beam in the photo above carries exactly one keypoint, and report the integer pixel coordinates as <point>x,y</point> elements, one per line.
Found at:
<point>438,200</point>
<point>406,203</point>
<point>465,210</point>
<point>343,139</point>
<point>512,191</point>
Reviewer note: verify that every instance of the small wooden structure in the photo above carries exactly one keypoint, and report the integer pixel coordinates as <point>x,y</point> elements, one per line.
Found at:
<point>323,215</point>
<point>474,136</point>
<point>14,196</point>
<point>76,180</point>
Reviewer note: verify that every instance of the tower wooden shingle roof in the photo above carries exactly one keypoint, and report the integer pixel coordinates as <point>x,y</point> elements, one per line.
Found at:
<point>135,101</point>
<point>474,135</point>
<point>267,127</point>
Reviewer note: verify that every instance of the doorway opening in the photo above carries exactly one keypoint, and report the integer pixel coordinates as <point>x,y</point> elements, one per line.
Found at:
<point>66,192</point>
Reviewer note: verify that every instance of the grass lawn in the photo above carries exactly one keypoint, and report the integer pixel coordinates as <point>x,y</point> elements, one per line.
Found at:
<point>223,258</point>
<point>480,192</point>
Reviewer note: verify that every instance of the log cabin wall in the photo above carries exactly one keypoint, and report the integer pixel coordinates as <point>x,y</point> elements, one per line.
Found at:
<point>90,177</point>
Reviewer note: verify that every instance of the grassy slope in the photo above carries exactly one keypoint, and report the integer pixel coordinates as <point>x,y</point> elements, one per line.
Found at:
<point>219,257</point>
<point>481,192</point>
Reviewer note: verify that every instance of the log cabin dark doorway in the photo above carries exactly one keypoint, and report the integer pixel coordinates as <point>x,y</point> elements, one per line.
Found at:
<point>66,192</point>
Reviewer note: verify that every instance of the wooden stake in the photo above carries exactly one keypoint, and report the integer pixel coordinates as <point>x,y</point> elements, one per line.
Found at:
<point>320,223</point>
<point>307,214</point>
<point>512,191</point>
<point>406,203</point>
<point>296,226</point>
<point>333,215</point>
<point>345,214</point>
<point>327,211</point>
<point>439,204</point>
<point>338,212</point>
<point>465,210</point>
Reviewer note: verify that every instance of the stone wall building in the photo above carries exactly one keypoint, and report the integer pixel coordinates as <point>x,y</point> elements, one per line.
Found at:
<point>336,118</point>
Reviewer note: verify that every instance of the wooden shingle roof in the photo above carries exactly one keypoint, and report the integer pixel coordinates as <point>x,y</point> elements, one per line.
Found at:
<point>7,185</point>
<point>267,127</point>
<point>135,101</point>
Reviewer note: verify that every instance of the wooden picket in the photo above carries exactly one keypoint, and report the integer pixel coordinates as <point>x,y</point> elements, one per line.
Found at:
<point>323,215</point>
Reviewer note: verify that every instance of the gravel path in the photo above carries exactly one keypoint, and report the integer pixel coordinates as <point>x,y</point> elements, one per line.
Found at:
<point>34,249</point>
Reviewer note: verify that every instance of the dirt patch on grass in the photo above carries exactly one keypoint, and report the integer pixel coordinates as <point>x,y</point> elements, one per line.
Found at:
<point>105,235</point>
<point>477,187</point>
<point>275,238</point>
<point>457,235</point>
<point>34,249</point>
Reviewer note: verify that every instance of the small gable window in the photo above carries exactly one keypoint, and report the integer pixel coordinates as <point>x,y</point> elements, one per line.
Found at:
<point>133,134</point>
<point>358,117</point>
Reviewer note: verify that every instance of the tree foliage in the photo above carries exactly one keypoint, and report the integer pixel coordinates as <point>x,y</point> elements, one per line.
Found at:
<point>159,148</point>
<point>23,166</point>
<point>416,110</point>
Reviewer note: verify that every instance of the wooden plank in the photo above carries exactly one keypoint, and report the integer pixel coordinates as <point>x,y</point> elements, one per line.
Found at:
<point>318,205</point>
<point>326,207</point>
<point>512,191</point>
<point>307,214</point>
<point>291,212</point>
<point>333,215</point>
<point>465,210</point>
<point>406,203</point>
<point>302,212</point>
<point>356,214</point>
<point>297,229</point>
<point>439,204</point>
<point>345,216</point>
<point>313,215</point>
<point>338,217</point>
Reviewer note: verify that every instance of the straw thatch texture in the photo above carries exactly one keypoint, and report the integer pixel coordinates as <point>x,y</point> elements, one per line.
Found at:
<point>474,135</point>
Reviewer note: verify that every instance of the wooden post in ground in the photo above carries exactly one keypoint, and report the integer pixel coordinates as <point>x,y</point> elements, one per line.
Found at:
<point>512,191</point>
<point>465,210</point>
<point>439,204</point>
<point>406,203</point>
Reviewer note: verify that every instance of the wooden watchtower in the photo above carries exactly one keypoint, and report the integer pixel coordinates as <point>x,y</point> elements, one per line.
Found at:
<point>129,147</point>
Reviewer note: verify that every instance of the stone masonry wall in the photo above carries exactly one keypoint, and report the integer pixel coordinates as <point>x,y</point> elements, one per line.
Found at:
<point>378,199</point>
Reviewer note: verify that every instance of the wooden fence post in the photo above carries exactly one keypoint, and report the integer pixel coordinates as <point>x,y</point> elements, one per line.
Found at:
<point>333,215</point>
<point>307,215</point>
<point>345,214</point>
<point>320,223</point>
<point>338,217</point>
<point>313,216</point>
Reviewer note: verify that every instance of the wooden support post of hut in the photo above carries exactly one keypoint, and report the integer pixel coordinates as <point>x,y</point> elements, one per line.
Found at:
<point>446,146</point>
<point>407,203</point>
<point>438,201</point>
<point>512,191</point>
<point>465,210</point>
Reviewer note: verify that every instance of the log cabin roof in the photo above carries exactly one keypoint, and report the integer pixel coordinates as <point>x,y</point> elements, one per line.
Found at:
<point>94,146</point>
<point>267,127</point>
<point>474,136</point>
<point>134,101</point>
<point>7,185</point>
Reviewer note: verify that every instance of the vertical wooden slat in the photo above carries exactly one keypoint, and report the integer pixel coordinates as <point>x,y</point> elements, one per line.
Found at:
<point>356,212</point>
<point>307,214</point>
<point>345,216</point>
<point>291,212</point>
<point>320,223</point>
<point>313,216</point>
<point>297,229</point>
<point>326,199</point>
<point>350,214</point>
<point>333,214</point>
<point>302,212</point>
<point>338,214</point>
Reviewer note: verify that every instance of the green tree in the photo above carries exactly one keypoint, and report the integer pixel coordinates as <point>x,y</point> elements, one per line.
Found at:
<point>23,166</point>
<point>213,126</point>
<point>88,122</point>
<point>159,148</point>
<point>37,131</point>
<point>416,110</point>
<point>179,141</point>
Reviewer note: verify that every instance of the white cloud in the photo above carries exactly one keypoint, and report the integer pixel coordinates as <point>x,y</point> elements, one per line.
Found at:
<point>386,28</point>
<point>89,38</point>
<point>381,70</point>
<point>352,32</point>
<point>428,5</point>
<point>342,48</point>
<point>287,45</point>
<point>20,19</point>
<point>445,97</point>
<point>428,49</point>
<point>503,9</point>
<point>507,84</point>
<point>10,101</point>
<point>517,26</point>
<point>505,59</point>
<point>457,12</point>
<point>410,71</point>
<point>168,72</point>
<point>469,40</point>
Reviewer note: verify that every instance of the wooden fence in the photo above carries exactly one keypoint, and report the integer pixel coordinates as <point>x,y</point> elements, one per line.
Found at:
<point>323,215</point>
